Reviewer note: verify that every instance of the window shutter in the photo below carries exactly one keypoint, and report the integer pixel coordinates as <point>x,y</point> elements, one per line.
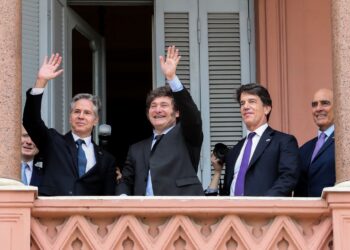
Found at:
<point>59,96</point>
<point>30,44</point>
<point>176,29</point>
<point>225,66</point>
<point>224,77</point>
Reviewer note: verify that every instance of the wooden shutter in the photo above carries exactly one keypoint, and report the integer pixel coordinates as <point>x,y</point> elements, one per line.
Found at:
<point>176,32</point>
<point>30,44</point>
<point>60,100</point>
<point>224,53</point>
<point>224,59</point>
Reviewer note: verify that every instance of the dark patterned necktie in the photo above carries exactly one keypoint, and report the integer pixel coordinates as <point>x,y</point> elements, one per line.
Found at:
<point>157,139</point>
<point>81,157</point>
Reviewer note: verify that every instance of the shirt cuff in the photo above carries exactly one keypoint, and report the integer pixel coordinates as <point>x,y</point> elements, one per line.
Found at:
<point>175,84</point>
<point>37,91</point>
<point>211,190</point>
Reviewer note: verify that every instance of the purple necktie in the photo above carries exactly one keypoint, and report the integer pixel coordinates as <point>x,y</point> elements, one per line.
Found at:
<point>319,144</point>
<point>239,187</point>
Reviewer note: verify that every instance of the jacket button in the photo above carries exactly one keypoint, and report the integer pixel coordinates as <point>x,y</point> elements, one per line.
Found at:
<point>70,193</point>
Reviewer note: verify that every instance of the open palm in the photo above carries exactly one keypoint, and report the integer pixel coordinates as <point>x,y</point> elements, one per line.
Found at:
<point>49,67</point>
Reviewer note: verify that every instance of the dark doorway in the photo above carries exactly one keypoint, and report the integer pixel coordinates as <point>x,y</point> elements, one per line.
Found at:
<point>128,37</point>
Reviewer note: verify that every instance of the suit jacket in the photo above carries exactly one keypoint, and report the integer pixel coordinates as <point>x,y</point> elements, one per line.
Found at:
<point>37,173</point>
<point>273,169</point>
<point>319,173</point>
<point>173,163</point>
<point>60,159</point>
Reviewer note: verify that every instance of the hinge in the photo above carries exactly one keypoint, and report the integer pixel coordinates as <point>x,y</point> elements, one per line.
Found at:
<point>198,31</point>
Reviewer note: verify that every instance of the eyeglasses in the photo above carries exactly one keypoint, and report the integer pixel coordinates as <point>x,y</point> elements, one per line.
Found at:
<point>323,103</point>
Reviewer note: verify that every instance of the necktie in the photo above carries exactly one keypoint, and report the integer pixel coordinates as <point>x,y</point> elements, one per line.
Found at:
<point>23,173</point>
<point>319,144</point>
<point>157,139</point>
<point>239,187</point>
<point>81,157</point>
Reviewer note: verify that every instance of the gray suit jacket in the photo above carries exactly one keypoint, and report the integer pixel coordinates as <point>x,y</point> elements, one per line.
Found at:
<point>174,162</point>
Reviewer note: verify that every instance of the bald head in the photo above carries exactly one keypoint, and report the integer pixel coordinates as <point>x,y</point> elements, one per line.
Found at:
<point>322,109</point>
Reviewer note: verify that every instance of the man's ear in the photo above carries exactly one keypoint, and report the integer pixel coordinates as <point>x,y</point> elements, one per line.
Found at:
<point>267,110</point>
<point>96,121</point>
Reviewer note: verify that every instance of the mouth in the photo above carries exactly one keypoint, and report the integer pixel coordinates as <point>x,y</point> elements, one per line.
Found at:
<point>158,116</point>
<point>27,148</point>
<point>247,114</point>
<point>80,123</point>
<point>321,116</point>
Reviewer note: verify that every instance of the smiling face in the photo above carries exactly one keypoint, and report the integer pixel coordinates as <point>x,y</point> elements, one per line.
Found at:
<point>83,118</point>
<point>162,114</point>
<point>28,148</point>
<point>322,109</point>
<point>254,112</point>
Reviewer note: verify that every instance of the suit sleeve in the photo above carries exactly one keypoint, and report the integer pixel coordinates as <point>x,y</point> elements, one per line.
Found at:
<point>288,168</point>
<point>110,176</point>
<point>128,176</point>
<point>33,122</point>
<point>190,117</point>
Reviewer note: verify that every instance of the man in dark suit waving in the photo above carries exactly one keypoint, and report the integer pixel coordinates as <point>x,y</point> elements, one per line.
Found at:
<point>73,163</point>
<point>317,155</point>
<point>166,163</point>
<point>266,162</point>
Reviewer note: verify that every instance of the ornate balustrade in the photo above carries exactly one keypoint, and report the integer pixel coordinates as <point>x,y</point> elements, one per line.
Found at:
<point>27,222</point>
<point>180,223</point>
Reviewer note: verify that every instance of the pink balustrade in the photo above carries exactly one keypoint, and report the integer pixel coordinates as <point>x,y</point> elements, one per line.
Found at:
<point>30,222</point>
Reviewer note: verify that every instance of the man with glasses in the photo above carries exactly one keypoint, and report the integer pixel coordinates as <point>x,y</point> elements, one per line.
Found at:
<point>317,155</point>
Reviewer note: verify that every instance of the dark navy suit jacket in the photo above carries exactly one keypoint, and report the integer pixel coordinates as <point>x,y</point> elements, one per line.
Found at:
<point>273,169</point>
<point>38,172</point>
<point>60,159</point>
<point>319,173</point>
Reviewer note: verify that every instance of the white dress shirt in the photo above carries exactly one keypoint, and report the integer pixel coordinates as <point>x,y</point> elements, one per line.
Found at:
<point>89,150</point>
<point>258,133</point>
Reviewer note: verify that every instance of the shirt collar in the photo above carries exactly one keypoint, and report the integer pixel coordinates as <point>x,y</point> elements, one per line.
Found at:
<point>29,163</point>
<point>328,131</point>
<point>260,130</point>
<point>164,132</point>
<point>87,140</point>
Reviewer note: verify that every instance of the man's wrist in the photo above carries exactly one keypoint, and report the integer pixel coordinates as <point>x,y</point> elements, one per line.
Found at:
<point>40,83</point>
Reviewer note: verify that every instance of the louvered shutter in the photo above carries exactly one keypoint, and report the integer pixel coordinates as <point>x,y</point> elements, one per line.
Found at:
<point>30,44</point>
<point>224,52</point>
<point>224,57</point>
<point>176,29</point>
<point>176,24</point>
<point>58,86</point>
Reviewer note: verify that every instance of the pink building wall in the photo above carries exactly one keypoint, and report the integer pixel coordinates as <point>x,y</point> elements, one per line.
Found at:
<point>294,59</point>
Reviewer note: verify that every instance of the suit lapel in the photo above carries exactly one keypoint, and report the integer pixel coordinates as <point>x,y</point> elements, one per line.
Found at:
<point>230,169</point>
<point>147,151</point>
<point>72,149</point>
<point>262,144</point>
<point>99,158</point>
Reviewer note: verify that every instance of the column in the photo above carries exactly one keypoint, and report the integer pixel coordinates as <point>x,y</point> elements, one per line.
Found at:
<point>10,88</point>
<point>341,85</point>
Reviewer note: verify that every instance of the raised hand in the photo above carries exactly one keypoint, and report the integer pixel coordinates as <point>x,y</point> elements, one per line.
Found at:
<point>169,64</point>
<point>48,70</point>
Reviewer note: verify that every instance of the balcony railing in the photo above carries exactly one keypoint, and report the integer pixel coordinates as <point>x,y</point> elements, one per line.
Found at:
<point>174,222</point>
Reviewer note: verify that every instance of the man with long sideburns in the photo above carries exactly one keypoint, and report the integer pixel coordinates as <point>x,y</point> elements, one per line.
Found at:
<point>167,162</point>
